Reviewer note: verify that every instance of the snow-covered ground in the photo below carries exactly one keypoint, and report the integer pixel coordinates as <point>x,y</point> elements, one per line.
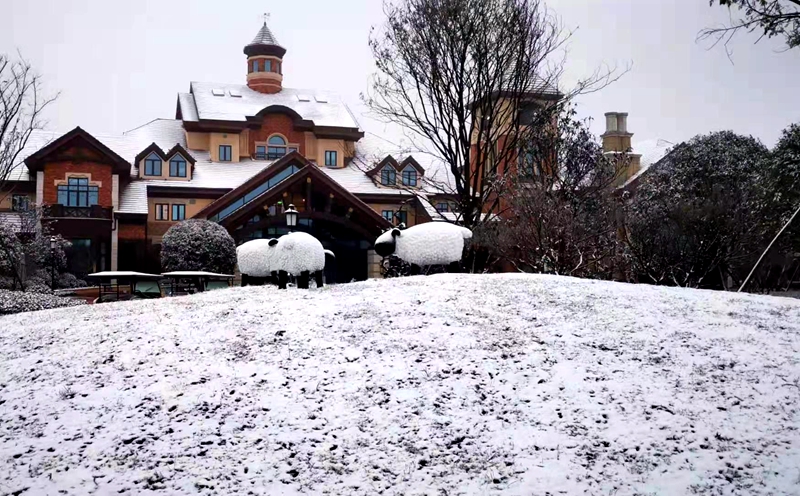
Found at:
<point>448,384</point>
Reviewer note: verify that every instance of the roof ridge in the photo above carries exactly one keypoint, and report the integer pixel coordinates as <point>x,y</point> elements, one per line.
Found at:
<point>125,133</point>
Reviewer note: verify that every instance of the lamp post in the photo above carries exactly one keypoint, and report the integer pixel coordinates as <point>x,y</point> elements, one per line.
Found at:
<point>291,217</point>
<point>52,262</point>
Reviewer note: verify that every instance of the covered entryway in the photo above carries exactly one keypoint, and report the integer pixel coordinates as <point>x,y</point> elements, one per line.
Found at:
<point>344,224</point>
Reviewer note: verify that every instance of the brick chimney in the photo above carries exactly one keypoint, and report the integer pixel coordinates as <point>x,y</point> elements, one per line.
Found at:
<point>617,140</point>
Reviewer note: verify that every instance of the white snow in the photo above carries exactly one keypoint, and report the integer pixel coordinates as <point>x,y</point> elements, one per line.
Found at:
<point>255,258</point>
<point>432,243</point>
<point>124,273</point>
<point>298,252</point>
<point>448,384</point>
<point>196,273</point>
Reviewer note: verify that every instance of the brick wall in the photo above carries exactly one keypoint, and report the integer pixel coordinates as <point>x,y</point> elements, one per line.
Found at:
<point>57,171</point>
<point>131,232</point>
<point>278,123</point>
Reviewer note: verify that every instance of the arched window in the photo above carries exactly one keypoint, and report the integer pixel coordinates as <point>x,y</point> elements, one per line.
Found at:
<point>409,176</point>
<point>177,166</point>
<point>276,148</point>
<point>152,165</point>
<point>388,176</point>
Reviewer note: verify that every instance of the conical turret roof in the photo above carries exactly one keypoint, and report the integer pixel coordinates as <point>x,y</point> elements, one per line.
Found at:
<point>264,43</point>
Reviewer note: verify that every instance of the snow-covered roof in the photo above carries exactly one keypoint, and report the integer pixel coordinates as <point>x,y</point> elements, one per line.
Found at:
<point>652,151</point>
<point>321,107</point>
<point>11,219</point>
<point>124,273</point>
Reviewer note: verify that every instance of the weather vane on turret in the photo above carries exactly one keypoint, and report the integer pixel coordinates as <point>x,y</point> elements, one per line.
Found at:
<point>265,15</point>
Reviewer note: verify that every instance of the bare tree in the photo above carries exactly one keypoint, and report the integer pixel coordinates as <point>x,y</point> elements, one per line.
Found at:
<point>562,208</point>
<point>21,105</point>
<point>471,80</point>
<point>772,17</point>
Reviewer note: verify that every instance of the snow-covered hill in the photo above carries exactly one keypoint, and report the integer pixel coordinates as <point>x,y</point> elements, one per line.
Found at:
<point>449,384</point>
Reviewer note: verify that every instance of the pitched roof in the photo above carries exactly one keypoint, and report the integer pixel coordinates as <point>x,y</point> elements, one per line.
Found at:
<point>265,37</point>
<point>652,152</point>
<point>35,160</point>
<point>322,108</point>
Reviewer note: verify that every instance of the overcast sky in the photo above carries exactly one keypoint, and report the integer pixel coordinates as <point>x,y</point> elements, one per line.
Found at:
<point>119,64</point>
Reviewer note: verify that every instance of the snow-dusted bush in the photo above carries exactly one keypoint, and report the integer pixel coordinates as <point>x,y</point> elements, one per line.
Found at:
<point>432,243</point>
<point>69,281</point>
<point>198,245</point>
<point>297,252</point>
<point>18,301</point>
<point>11,255</point>
<point>254,258</point>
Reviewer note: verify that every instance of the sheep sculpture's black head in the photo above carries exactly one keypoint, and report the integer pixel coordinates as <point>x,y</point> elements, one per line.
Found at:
<point>385,245</point>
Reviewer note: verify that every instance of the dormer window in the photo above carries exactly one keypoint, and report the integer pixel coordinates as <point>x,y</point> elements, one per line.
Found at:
<point>276,148</point>
<point>409,176</point>
<point>177,167</point>
<point>152,165</point>
<point>388,176</point>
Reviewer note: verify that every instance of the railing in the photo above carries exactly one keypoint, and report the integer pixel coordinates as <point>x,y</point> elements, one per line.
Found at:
<point>92,212</point>
<point>268,155</point>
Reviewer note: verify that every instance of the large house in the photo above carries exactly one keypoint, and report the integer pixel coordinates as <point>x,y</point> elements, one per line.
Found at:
<point>238,155</point>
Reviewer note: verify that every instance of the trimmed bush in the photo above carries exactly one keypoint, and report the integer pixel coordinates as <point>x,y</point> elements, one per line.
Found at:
<point>198,245</point>
<point>18,301</point>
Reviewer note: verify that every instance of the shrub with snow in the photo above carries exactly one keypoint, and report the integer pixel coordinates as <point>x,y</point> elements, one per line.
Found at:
<point>432,243</point>
<point>198,245</point>
<point>254,258</point>
<point>18,301</point>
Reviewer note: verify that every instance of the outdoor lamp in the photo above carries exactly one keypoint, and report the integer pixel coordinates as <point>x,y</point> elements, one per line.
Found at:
<point>291,216</point>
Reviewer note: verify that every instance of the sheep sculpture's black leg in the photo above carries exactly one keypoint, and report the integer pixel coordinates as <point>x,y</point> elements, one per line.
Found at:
<point>274,278</point>
<point>415,270</point>
<point>283,279</point>
<point>318,278</point>
<point>244,279</point>
<point>454,267</point>
<point>303,280</point>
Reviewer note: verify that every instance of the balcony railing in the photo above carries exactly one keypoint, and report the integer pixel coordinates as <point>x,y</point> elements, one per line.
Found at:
<point>268,155</point>
<point>92,212</point>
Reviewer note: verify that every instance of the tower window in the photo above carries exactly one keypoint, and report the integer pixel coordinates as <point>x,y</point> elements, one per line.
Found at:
<point>388,176</point>
<point>177,167</point>
<point>331,158</point>
<point>225,153</point>
<point>152,165</point>
<point>267,66</point>
<point>254,66</point>
<point>409,176</point>
<point>276,148</point>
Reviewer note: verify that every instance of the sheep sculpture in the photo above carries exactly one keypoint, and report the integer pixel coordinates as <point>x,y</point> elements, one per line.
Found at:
<point>432,243</point>
<point>298,254</point>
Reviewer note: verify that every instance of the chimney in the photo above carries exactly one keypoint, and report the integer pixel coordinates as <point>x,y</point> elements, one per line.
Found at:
<point>616,138</point>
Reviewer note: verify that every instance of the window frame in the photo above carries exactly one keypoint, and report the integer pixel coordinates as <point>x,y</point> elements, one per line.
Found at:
<point>268,65</point>
<point>178,158</point>
<point>229,154</point>
<point>17,199</point>
<point>401,216</point>
<point>276,150</point>
<point>79,190</point>
<point>409,169</point>
<point>440,210</point>
<point>331,154</point>
<point>151,160</point>
<point>388,170</point>
<point>161,209</point>
<point>390,217</point>
<point>181,210</point>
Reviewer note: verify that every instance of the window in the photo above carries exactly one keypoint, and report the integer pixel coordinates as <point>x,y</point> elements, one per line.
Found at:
<point>527,167</point>
<point>442,207</point>
<point>330,158</point>
<point>254,193</point>
<point>152,165</point>
<point>409,176</point>
<point>261,152</point>
<point>77,193</point>
<point>177,167</point>
<point>276,148</point>
<point>178,211</point>
<point>267,66</point>
<point>388,215</point>
<point>19,203</point>
<point>162,211</point>
<point>388,176</point>
<point>225,153</point>
<point>254,66</point>
<point>401,217</point>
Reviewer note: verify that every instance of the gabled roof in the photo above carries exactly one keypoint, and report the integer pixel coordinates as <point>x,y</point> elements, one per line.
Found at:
<point>36,160</point>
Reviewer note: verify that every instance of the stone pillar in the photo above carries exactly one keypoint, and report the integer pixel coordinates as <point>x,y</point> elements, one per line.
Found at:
<point>115,223</point>
<point>39,188</point>
<point>373,265</point>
